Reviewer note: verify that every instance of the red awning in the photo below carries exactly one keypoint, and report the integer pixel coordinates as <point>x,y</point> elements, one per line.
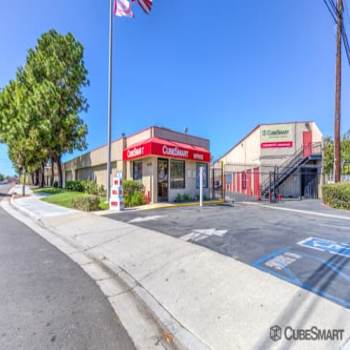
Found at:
<point>156,146</point>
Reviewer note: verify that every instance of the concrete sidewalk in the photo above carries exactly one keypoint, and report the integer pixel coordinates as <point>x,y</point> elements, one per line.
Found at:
<point>204,300</point>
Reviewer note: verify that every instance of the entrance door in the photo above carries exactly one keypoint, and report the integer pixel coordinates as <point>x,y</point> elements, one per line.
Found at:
<point>163,183</point>
<point>309,183</point>
<point>307,143</point>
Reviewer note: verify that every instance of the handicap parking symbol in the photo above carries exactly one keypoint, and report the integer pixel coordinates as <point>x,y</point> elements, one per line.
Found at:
<point>325,245</point>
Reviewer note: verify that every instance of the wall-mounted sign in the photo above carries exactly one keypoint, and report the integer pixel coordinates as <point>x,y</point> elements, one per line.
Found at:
<point>164,148</point>
<point>277,136</point>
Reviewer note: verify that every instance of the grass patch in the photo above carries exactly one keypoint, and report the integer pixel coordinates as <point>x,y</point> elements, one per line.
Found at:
<point>65,198</point>
<point>48,190</point>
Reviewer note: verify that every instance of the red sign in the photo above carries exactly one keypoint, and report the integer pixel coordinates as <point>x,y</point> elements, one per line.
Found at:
<point>277,144</point>
<point>164,148</point>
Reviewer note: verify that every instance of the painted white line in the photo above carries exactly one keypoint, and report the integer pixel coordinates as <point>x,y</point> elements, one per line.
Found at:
<point>336,226</point>
<point>306,212</point>
<point>146,218</point>
<point>198,235</point>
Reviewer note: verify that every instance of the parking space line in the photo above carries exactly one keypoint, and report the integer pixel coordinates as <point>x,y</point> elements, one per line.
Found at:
<point>305,212</point>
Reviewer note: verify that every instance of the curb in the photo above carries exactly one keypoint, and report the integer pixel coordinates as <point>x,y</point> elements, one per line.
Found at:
<point>174,334</point>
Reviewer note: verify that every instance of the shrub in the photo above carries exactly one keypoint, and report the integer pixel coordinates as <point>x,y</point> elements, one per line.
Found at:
<point>133,193</point>
<point>90,187</point>
<point>180,198</point>
<point>101,191</point>
<point>86,186</point>
<point>138,198</point>
<point>87,203</point>
<point>337,195</point>
<point>55,184</point>
<point>76,186</point>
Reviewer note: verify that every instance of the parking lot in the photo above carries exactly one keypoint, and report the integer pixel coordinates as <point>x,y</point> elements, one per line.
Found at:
<point>308,250</point>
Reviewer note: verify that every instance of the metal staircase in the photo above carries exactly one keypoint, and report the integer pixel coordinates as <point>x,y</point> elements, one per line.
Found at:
<point>290,166</point>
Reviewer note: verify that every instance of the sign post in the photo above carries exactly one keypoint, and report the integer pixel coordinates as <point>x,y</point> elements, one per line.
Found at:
<point>117,196</point>
<point>201,186</point>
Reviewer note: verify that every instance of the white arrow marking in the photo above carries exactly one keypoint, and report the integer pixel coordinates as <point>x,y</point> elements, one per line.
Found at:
<point>198,235</point>
<point>146,218</point>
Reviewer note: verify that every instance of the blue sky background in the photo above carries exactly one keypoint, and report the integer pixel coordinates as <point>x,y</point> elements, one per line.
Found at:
<point>217,69</point>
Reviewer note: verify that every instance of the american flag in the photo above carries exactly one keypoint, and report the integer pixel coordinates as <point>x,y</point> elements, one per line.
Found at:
<point>146,5</point>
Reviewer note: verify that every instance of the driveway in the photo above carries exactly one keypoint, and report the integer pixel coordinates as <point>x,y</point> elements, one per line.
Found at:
<point>307,250</point>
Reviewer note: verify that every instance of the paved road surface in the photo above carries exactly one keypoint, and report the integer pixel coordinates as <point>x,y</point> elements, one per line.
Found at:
<point>47,301</point>
<point>304,250</point>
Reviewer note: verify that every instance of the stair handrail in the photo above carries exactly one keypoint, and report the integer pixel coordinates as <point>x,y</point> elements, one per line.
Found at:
<point>290,163</point>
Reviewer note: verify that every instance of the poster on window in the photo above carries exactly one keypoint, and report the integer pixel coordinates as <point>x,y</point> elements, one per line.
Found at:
<point>205,175</point>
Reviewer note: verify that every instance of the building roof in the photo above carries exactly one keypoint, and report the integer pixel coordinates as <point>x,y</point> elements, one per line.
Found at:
<point>135,133</point>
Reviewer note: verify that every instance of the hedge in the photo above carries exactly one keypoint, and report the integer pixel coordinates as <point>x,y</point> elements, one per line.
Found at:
<point>86,186</point>
<point>88,203</point>
<point>337,195</point>
<point>75,186</point>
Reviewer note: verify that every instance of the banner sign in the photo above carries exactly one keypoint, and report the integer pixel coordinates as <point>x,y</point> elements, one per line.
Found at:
<point>277,136</point>
<point>164,148</point>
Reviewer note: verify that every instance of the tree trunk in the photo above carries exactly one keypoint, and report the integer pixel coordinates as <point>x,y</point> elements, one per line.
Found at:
<point>37,177</point>
<point>33,178</point>
<point>52,171</point>
<point>60,172</point>
<point>24,183</point>
<point>42,180</point>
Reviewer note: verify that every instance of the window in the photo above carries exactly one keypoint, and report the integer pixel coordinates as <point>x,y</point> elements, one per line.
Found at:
<point>205,174</point>
<point>177,174</point>
<point>137,170</point>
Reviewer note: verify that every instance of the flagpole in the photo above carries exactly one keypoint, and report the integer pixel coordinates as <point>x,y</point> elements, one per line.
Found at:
<point>110,86</point>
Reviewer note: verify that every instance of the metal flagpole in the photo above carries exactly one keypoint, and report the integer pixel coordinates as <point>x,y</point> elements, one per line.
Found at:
<point>109,123</point>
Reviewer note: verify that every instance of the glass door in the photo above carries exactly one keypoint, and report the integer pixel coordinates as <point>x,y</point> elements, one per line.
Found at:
<point>163,183</point>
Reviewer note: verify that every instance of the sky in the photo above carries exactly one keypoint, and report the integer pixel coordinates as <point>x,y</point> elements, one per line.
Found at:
<point>218,70</point>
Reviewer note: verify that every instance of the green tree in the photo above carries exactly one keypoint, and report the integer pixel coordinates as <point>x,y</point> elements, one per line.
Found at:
<point>55,74</point>
<point>329,154</point>
<point>20,127</point>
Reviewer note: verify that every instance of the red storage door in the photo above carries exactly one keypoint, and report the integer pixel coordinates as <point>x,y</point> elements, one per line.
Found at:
<point>307,143</point>
<point>249,182</point>
<point>257,183</point>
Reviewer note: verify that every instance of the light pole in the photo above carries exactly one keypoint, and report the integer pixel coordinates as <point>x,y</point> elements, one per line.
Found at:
<point>110,86</point>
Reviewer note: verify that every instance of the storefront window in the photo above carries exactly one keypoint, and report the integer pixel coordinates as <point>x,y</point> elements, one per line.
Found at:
<point>177,174</point>
<point>205,174</point>
<point>137,170</point>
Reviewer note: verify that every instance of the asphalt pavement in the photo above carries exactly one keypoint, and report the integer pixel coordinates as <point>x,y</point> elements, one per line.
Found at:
<point>47,301</point>
<point>312,252</point>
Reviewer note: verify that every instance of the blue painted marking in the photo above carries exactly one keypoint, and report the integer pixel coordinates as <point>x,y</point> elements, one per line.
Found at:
<point>265,258</point>
<point>325,245</point>
<point>287,275</point>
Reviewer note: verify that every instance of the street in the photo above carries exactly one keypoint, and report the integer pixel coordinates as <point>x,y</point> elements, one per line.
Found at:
<point>47,301</point>
<point>307,250</point>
